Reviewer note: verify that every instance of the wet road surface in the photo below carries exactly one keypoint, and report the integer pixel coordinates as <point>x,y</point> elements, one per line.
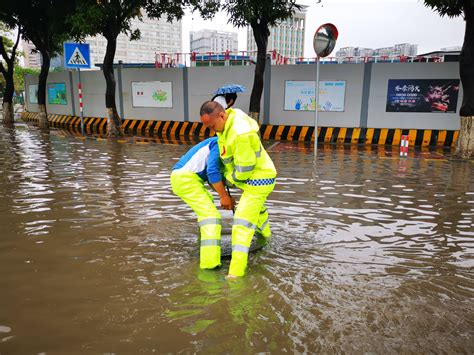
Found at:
<point>370,253</point>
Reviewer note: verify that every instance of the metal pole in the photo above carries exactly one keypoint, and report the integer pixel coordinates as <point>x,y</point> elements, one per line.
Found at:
<point>79,87</point>
<point>316,97</point>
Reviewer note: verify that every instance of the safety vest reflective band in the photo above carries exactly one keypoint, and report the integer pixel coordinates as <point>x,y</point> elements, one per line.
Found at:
<point>264,225</point>
<point>243,222</point>
<point>242,169</point>
<point>231,159</point>
<point>207,221</point>
<point>235,177</point>
<point>260,182</point>
<point>240,248</point>
<point>210,242</point>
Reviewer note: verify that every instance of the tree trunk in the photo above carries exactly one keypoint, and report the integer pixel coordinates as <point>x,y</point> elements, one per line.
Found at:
<point>7,72</point>
<point>8,113</point>
<point>260,33</point>
<point>466,138</point>
<point>8,118</point>
<point>465,148</point>
<point>114,123</point>
<point>43,117</point>
<point>43,77</point>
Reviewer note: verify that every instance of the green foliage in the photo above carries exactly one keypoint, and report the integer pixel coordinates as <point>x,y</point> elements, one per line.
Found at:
<point>244,12</point>
<point>174,10</point>
<point>108,18</point>
<point>112,17</point>
<point>5,34</point>
<point>42,21</point>
<point>450,8</point>
<point>19,76</point>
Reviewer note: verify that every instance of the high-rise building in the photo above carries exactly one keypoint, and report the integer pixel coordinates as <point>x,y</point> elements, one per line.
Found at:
<point>157,36</point>
<point>205,41</point>
<point>287,38</point>
<point>354,52</point>
<point>30,59</point>
<point>403,49</point>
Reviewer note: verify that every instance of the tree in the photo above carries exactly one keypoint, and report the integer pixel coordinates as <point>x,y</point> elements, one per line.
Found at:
<point>260,15</point>
<point>112,17</point>
<point>8,52</point>
<point>19,77</point>
<point>465,8</point>
<point>42,23</point>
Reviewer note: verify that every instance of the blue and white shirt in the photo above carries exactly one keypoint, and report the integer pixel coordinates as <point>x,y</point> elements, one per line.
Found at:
<point>204,160</point>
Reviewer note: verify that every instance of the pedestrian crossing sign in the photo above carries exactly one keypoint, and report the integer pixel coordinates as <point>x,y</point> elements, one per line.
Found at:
<point>77,55</point>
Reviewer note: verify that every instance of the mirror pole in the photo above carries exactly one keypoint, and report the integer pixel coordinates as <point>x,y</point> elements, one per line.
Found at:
<point>316,97</point>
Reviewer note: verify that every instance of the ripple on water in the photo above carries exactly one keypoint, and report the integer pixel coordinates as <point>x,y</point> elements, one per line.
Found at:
<point>363,258</point>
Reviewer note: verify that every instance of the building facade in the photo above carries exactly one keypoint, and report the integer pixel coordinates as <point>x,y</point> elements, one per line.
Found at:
<point>205,41</point>
<point>287,38</point>
<point>403,49</point>
<point>354,52</point>
<point>156,36</point>
<point>30,58</point>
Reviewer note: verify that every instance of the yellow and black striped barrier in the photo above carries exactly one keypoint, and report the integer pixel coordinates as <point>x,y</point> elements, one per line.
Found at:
<point>191,131</point>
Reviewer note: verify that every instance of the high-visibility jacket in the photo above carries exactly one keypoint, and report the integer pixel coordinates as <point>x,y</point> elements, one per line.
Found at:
<point>245,160</point>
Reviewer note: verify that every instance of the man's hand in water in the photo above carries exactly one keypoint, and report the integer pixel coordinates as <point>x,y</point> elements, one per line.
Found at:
<point>227,202</point>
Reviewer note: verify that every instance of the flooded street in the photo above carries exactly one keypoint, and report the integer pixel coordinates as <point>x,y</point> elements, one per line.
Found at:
<point>369,254</point>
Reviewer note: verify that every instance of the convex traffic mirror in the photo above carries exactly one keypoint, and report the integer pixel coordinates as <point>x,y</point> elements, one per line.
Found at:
<point>324,39</point>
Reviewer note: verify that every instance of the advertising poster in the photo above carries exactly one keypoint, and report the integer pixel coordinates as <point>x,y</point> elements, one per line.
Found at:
<point>33,94</point>
<point>57,94</point>
<point>422,95</point>
<point>152,94</point>
<point>299,96</point>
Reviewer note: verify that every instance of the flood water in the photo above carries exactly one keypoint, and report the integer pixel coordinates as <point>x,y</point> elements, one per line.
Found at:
<point>369,254</point>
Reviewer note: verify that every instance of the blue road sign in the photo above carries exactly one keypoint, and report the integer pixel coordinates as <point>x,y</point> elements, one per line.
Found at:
<point>77,55</point>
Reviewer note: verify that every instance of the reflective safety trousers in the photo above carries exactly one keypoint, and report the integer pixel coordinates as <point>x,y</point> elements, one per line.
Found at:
<point>190,188</point>
<point>248,166</point>
<point>251,215</point>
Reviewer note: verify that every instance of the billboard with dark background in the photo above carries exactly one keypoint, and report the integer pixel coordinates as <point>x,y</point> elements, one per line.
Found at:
<point>422,95</point>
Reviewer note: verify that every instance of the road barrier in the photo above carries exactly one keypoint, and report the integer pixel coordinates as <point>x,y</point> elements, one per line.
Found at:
<point>192,130</point>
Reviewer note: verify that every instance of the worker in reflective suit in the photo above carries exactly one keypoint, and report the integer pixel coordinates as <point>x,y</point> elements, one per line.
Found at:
<point>200,164</point>
<point>246,166</point>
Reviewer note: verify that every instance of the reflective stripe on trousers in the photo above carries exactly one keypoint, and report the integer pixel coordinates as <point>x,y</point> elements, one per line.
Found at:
<point>250,214</point>
<point>190,188</point>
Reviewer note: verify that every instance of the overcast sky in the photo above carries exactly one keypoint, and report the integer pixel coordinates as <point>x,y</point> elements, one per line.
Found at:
<point>361,23</point>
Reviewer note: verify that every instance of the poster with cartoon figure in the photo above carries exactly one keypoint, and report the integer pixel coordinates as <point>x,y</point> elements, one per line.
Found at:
<point>57,94</point>
<point>299,96</point>
<point>152,94</point>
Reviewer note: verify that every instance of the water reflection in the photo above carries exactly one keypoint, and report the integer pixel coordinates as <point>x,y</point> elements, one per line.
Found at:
<point>370,253</point>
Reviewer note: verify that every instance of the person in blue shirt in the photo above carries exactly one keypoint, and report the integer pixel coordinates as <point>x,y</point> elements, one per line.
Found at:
<point>200,164</point>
